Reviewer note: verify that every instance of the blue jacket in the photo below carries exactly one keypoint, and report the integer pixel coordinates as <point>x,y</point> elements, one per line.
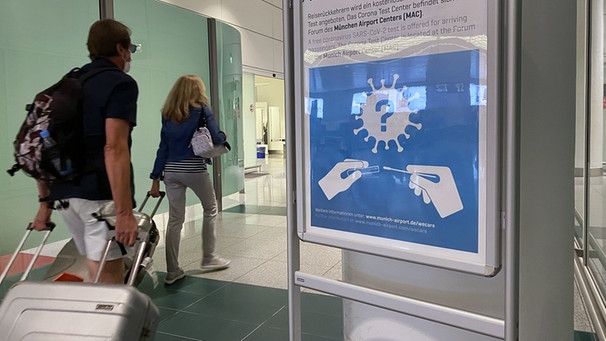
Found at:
<point>175,139</point>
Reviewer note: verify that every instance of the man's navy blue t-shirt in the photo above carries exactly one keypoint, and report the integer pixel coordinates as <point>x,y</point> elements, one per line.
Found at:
<point>108,94</point>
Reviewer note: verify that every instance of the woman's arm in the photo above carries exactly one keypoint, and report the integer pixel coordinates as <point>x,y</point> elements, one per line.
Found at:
<point>161,154</point>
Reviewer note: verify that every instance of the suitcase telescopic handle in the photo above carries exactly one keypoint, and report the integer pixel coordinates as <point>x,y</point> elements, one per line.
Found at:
<point>151,215</point>
<point>138,259</point>
<point>50,226</point>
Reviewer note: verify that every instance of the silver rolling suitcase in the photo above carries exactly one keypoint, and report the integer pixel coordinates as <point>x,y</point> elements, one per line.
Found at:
<point>69,261</point>
<point>66,311</point>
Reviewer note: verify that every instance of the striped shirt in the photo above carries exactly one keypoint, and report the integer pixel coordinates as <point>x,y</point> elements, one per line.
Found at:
<point>192,165</point>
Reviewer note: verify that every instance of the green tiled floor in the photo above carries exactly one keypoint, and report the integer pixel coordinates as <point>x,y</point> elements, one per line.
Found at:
<point>206,309</point>
<point>257,209</point>
<point>585,336</point>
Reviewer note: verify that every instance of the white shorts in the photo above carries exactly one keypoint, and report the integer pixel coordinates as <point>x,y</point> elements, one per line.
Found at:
<point>90,235</point>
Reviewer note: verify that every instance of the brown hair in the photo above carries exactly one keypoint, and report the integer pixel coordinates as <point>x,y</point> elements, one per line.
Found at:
<point>103,36</point>
<point>188,91</point>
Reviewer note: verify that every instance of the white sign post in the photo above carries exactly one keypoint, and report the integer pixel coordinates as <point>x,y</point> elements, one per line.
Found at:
<point>396,141</point>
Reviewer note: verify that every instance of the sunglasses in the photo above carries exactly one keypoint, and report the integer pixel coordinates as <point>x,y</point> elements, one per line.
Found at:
<point>134,48</point>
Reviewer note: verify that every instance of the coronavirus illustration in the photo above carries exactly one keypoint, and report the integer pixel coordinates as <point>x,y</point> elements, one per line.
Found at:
<point>386,114</point>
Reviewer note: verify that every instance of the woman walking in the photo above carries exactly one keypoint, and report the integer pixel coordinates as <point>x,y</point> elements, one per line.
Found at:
<point>185,109</point>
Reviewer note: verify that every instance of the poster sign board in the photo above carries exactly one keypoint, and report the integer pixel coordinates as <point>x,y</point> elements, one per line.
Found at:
<point>399,138</point>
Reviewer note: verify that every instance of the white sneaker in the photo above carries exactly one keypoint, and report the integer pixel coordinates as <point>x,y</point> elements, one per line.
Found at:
<point>215,263</point>
<point>172,277</point>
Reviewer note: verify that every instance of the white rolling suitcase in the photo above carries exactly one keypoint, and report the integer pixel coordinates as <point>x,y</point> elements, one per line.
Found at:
<point>70,311</point>
<point>53,311</point>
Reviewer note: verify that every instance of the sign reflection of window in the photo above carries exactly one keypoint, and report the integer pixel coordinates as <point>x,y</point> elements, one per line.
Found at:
<point>477,94</point>
<point>358,99</point>
<point>415,95</point>
<point>416,102</point>
<point>316,107</point>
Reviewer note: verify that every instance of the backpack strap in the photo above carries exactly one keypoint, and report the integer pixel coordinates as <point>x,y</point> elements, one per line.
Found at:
<point>83,77</point>
<point>90,74</point>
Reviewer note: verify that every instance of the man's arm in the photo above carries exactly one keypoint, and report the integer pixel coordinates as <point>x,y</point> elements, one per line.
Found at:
<point>44,211</point>
<point>117,164</point>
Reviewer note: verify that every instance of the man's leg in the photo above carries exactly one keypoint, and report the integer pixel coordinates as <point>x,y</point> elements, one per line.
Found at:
<point>113,271</point>
<point>90,236</point>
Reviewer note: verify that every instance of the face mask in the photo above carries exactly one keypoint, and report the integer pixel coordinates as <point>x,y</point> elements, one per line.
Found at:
<point>126,66</point>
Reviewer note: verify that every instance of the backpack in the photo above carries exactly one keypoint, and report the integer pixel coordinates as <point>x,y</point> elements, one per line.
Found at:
<point>56,111</point>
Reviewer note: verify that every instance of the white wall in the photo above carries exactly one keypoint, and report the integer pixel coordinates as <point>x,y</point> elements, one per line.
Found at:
<point>260,26</point>
<point>249,120</point>
<point>271,91</point>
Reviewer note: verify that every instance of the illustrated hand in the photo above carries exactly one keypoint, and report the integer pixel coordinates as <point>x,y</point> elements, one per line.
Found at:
<point>437,185</point>
<point>333,183</point>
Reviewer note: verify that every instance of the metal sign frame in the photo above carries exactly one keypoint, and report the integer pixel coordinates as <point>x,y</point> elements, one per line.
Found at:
<point>319,60</point>
<point>509,16</point>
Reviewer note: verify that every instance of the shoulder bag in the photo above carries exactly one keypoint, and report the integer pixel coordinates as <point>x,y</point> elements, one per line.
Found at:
<point>202,142</point>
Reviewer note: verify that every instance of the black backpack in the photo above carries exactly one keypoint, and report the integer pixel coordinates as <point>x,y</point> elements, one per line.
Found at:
<point>58,111</point>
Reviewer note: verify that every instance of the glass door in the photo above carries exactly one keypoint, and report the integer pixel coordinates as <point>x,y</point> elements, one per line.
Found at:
<point>596,185</point>
<point>590,181</point>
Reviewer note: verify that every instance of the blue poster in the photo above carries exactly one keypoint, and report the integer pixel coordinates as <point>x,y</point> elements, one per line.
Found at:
<point>394,148</point>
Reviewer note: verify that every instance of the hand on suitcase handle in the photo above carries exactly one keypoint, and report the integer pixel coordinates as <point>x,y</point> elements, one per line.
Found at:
<point>161,194</point>
<point>49,226</point>
<point>141,235</point>
<point>107,213</point>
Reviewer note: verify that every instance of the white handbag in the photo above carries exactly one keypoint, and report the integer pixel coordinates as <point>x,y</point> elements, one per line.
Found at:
<point>202,144</point>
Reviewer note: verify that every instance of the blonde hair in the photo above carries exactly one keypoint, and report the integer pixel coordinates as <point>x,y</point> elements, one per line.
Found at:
<point>188,91</point>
